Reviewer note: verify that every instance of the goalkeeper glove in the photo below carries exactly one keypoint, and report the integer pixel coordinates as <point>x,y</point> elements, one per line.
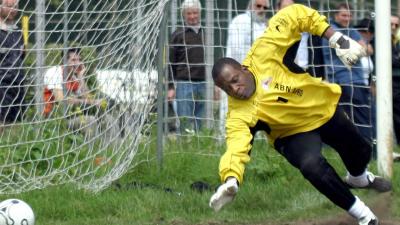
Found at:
<point>224,194</point>
<point>348,50</point>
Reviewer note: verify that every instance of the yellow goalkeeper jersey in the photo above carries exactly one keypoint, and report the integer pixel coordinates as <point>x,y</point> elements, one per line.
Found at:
<point>287,100</point>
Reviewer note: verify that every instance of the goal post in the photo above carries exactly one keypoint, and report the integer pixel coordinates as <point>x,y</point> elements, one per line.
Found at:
<point>384,88</point>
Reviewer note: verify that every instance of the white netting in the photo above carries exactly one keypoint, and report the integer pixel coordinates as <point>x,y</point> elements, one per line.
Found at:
<point>90,142</point>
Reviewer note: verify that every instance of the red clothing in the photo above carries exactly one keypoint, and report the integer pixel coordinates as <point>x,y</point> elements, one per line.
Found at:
<point>48,96</point>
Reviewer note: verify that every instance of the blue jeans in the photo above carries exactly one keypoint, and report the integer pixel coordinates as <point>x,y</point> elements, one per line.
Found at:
<point>190,98</point>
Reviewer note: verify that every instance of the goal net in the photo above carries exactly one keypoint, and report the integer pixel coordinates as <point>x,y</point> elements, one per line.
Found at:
<point>78,86</point>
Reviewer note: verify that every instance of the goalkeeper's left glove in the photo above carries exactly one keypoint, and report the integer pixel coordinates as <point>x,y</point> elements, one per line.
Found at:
<point>224,194</point>
<point>348,50</point>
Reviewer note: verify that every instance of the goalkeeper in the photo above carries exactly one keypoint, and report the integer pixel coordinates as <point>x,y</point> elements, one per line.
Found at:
<point>298,112</point>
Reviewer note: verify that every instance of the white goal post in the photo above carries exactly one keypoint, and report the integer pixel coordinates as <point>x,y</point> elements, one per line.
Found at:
<point>384,88</point>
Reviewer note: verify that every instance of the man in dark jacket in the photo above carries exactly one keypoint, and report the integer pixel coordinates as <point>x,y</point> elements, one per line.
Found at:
<point>395,21</point>
<point>187,68</point>
<point>11,57</point>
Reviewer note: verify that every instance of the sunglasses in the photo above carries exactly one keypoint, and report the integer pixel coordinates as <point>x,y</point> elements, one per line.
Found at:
<point>261,6</point>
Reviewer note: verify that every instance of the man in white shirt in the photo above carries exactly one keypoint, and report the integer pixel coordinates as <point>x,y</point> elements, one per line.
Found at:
<point>244,29</point>
<point>70,86</point>
<point>77,93</point>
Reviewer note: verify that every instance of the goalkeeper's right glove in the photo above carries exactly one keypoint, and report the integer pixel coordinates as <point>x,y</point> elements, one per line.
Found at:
<point>348,50</point>
<point>224,194</point>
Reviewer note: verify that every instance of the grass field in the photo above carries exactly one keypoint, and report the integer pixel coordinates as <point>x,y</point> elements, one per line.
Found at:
<point>273,193</point>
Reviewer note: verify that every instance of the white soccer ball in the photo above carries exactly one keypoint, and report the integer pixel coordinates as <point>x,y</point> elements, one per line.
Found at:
<point>16,212</point>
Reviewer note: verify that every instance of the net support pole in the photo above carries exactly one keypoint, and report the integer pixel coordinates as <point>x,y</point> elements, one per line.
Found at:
<point>65,54</point>
<point>209,60</point>
<point>174,14</point>
<point>398,7</point>
<point>160,87</point>
<point>384,88</point>
<point>86,18</point>
<point>229,8</point>
<point>355,12</point>
<point>362,9</point>
<point>321,5</point>
<point>40,24</point>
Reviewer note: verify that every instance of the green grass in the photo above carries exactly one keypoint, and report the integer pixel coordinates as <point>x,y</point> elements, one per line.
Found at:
<point>273,191</point>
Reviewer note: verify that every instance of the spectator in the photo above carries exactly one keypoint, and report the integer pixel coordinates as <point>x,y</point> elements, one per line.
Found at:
<point>244,29</point>
<point>76,96</point>
<point>187,68</point>
<point>298,112</point>
<point>12,75</point>
<point>309,54</point>
<point>355,99</point>
<point>366,28</point>
<point>395,21</point>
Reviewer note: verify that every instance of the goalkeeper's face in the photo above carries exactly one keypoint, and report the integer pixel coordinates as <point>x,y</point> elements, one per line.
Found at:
<point>236,82</point>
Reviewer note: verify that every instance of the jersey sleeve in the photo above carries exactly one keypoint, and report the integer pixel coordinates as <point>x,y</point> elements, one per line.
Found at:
<point>296,19</point>
<point>290,22</point>
<point>238,140</point>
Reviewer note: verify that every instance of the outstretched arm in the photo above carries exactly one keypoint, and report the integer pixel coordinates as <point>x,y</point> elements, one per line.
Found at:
<point>232,163</point>
<point>287,25</point>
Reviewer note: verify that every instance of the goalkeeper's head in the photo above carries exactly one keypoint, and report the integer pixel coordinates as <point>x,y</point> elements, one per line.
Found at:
<point>236,80</point>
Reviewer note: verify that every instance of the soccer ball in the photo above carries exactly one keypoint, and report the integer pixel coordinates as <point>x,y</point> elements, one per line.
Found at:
<point>16,212</point>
